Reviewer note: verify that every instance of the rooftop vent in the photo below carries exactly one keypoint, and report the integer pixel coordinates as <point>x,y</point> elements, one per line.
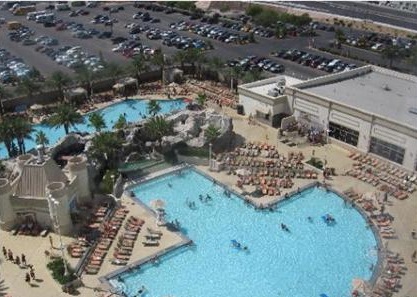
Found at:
<point>387,88</point>
<point>413,110</point>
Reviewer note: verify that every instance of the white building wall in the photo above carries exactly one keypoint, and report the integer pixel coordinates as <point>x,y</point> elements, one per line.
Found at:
<point>401,140</point>
<point>252,105</point>
<point>354,123</point>
<point>318,113</point>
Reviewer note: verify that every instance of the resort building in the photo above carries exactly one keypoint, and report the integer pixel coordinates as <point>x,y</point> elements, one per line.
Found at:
<point>369,108</point>
<point>38,194</point>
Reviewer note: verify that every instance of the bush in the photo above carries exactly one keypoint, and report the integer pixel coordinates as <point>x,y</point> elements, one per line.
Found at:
<point>185,150</point>
<point>57,268</point>
<point>316,162</point>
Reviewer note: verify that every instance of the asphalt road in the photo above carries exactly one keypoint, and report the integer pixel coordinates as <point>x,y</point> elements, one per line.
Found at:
<point>262,47</point>
<point>363,10</point>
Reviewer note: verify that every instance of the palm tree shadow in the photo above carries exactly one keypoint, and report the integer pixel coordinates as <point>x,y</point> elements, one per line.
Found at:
<point>3,288</point>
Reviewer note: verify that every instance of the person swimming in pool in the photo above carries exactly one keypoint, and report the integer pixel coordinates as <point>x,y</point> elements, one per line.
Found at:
<point>170,185</point>
<point>141,291</point>
<point>285,228</point>
<point>310,219</point>
<point>200,197</point>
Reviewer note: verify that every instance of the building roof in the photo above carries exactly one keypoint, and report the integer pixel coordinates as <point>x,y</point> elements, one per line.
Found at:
<point>374,90</point>
<point>263,86</point>
<point>35,177</point>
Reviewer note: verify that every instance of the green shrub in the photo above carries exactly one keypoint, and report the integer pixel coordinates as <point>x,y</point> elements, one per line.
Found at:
<point>57,268</point>
<point>316,162</point>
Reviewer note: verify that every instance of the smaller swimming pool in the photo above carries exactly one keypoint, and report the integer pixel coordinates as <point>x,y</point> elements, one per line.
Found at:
<point>134,110</point>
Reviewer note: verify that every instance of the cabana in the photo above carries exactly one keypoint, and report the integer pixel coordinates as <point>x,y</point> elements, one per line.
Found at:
<point>77,94</point>
<point>126,86</point>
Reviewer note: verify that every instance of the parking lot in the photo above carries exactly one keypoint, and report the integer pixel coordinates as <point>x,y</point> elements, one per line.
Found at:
<point>224,41</point>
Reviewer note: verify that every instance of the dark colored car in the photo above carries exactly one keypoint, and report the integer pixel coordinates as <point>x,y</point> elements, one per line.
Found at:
<point>104,35</point>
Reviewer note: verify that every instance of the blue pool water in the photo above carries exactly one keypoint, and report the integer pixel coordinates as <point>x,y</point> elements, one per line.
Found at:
<point>313,258</point>
<point>132,108</point>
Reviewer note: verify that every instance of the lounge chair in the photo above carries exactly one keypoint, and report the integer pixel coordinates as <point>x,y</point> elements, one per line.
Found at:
<point>150,243</point>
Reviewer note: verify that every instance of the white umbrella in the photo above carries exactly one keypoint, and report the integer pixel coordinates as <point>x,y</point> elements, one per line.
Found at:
<point>36,106</point>
<point>359,286</point>
<point>158,204</point>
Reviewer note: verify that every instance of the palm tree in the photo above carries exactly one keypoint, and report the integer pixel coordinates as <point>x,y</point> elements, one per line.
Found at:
<point>236,74</point>
<point>153,107</point>
<point>3,94</point>
<point>67,116</point>
<point>86,77</point>
<point>197,58</point>
<point>114,70</point>
<point>139,65</point>
<point>211,133</point>
<point>201,98</point>
<point>157,127</point>
<point>159,60</point>
<point>27,87</point>
<point>41,138</point>
<point>22,130</point>
<point>59,81</point>
<point>105,148</point>
<point>96,120</point>
<point>181,57</point>
<point>6,136</point>
<point>121,123</point>
<point>391,53</point>
<point>412,59</point>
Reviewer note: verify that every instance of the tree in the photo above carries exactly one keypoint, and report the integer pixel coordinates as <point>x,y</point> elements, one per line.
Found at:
<point>21,129</point>
<point>86,77</point>
<point>3,94</point>
<point>153,107</point>
<point>6,135</point>
<point>105,148</point>
<point>41,138</point>
<point>121,123</point>
<point>159,60</point>
<point>211,133</point>
<point>340,36</point>
<point>201,99</point>
<point>412,59</point>
<point>27,87</point>
<point>181,57</point>
<point>66,115</point>
<point>254,10</point>
<point>236,74</point>
<point>59,81</point>
<point>157,127</point>
<point>139,65</point>
<point>252,75</point>
<point>96,120</point>
<point>390,53</point>
<point>114,70</point>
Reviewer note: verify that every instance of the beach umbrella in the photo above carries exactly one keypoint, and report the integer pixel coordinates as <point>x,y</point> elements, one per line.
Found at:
<point>157,204</point>
<point>36,107</point>
<point>359,286</point>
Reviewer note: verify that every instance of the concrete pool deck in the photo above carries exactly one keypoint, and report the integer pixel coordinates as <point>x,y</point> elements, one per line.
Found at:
<point>403,211</point>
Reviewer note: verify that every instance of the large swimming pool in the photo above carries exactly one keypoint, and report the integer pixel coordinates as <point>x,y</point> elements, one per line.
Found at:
<point>133,110</point>
<point>313,258</point>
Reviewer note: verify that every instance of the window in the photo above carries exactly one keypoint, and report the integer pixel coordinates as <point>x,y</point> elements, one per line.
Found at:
<point>387,150</point>
<point>343,134</point>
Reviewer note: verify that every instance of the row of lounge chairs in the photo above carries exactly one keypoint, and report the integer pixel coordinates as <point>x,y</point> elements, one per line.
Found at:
<point>390,279</point>
<point>126,241</point>
<point>152,237</point>
<point>109,231</point>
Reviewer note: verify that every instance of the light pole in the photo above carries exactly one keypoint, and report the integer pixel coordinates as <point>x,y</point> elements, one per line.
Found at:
<point>53,203</point>
<point>210,145</point>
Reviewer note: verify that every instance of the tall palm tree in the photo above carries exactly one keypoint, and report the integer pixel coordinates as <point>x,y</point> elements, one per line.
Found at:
<point>3,94</point>
<point>41,138</point>
<point>22,130</point>
<point>181,57</point>
<point>59,81</point>
<point>211,133</point>
<point>157,127</point>
<point>66,115</point>
<point>121,123</point>
<point>86,77</point>
<point>105,148</point>
<point>96,120</point>
<point>114,70</point>
<point>6,135</point>
<point>391,53</point>
<point>153,107</point>
<point>159,60</point>
<point>27,87</point>
<point>197,58</point>
<point>139,65</point>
